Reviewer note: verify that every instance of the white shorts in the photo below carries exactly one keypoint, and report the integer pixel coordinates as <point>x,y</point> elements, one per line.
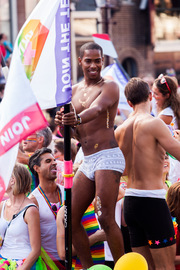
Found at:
<point>108,159</point>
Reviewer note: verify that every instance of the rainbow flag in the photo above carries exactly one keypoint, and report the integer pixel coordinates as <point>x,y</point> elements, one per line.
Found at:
<point>44,45</point>
<point>39,78</point>
<point>91,225</point>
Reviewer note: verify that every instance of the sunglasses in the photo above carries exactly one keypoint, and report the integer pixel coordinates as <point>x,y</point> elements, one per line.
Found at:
<point>31,139</point>
<point>54,208</point>
<point>163,80</point>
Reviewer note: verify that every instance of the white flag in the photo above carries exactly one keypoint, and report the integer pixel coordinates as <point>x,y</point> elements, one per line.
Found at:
<point>38,60</point>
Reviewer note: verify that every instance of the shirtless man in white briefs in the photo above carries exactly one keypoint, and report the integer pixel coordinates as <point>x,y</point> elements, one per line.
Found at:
<point>95,102</point>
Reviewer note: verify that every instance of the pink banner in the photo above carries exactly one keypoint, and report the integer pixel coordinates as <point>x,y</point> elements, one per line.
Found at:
<point>2,188</point>
<point>21,126</point>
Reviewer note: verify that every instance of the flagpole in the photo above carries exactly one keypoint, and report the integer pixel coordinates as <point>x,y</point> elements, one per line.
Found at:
<point>122,69</point>
<point>4,67</point>
<point>67,193</point>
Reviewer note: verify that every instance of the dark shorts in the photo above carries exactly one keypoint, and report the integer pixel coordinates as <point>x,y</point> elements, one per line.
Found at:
<point>149,222</point>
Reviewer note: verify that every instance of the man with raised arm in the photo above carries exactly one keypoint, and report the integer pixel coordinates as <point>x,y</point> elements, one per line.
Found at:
<point>144,141</point>
<point>94,103</point>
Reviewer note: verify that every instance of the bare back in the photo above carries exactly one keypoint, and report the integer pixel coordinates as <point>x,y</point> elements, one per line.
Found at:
<point>143,153</point>
<point>102,100</point>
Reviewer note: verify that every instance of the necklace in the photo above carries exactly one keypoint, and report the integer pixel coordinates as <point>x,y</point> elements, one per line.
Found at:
<point>19,207</point>
<point>85,91</point>
<point>107,120</point>
<point>54,211</point>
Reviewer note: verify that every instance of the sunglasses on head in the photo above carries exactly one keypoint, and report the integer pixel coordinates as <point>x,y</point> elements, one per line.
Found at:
<point>163,80</point>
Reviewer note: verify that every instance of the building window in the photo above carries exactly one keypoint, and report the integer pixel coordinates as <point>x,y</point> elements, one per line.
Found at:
<point>127,1</point>
<point>130,66</point>
<point>4,17</point>
<point>84,27</point>
<point>167,19</point>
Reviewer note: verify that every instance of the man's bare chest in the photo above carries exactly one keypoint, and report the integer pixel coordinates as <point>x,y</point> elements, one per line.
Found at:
<point>83,99</point>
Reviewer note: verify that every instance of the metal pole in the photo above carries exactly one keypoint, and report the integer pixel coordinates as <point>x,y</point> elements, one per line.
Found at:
<point>13,20</point>
<point>106,29</point>
<point>67,196</point>
<point>122,69</point>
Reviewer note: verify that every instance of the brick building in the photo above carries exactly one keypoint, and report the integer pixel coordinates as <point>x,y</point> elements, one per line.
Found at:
<point>129,27</point>
<point>146,39</point>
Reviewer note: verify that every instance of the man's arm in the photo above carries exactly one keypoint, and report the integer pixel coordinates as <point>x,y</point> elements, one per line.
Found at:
<point>161,132</point>
<point>22,157</point>
<point>107,98</point>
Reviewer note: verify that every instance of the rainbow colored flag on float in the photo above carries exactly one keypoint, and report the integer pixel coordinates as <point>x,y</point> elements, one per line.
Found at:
<point>44,46</point>
<point>39,78</point>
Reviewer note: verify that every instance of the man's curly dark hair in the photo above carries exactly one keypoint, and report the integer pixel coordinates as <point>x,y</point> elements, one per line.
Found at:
<point>35,159</point>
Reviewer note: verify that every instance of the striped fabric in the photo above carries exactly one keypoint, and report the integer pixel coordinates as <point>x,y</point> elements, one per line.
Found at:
<point>90,224</point>
<point>44,262</point>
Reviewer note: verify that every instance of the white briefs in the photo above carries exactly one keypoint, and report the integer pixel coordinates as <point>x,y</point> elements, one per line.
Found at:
<point>108,159</point>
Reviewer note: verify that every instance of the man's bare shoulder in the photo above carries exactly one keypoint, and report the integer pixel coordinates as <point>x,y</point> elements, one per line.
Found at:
<point>121,129</point>
<point>126,123</point>
<point>109,84</point>
<point>110,92</point>
<point>118,130</point>
<point>152,122</point>
<point>158,128</point>
<point>75,87</point>
<point>144,121</point>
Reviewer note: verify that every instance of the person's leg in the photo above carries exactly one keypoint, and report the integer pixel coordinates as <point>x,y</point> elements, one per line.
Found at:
<point>161,234</point>
<point>107,187</point>
<point>145,252</point>
<point>164,258</point>
<point>82,195</point>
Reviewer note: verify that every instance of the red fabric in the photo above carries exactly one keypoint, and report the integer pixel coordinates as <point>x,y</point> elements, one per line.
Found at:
<point>102,36</point>
<point>2,51</point>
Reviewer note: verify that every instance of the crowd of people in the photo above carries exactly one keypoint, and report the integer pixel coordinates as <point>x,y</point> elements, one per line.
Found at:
<point>126,190</point>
